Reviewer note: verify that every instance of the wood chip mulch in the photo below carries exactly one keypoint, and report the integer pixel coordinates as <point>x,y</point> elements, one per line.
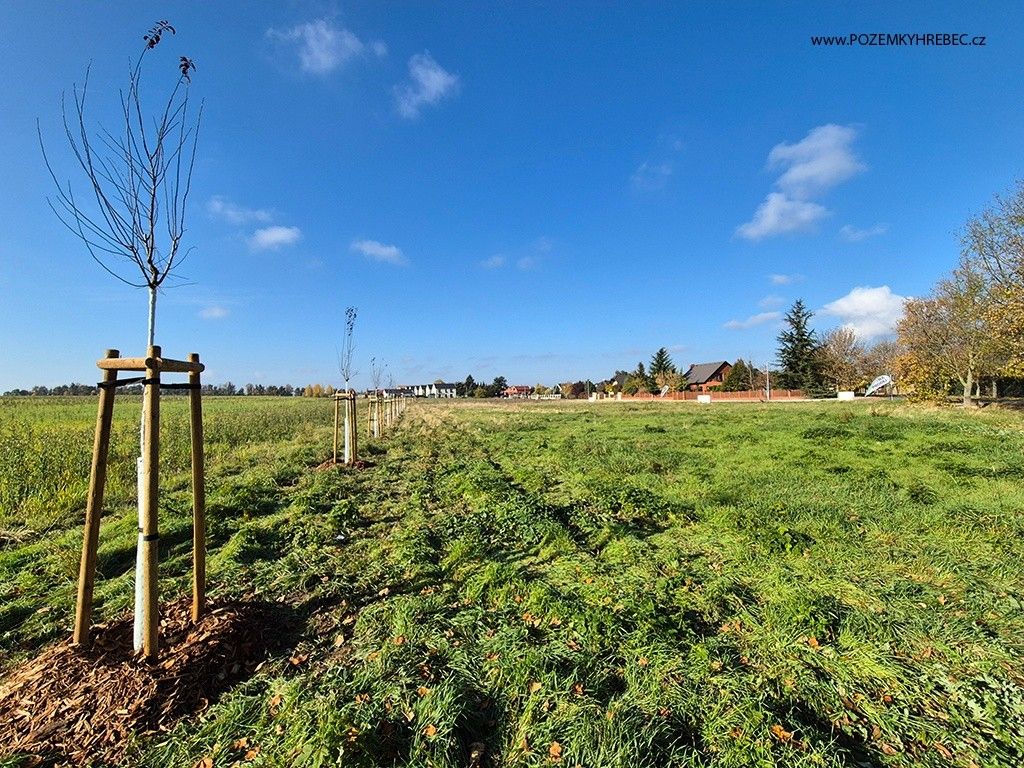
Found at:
<point>77,706</point>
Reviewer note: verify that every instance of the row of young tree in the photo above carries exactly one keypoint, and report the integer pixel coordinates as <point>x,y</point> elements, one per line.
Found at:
<point>967,334</point>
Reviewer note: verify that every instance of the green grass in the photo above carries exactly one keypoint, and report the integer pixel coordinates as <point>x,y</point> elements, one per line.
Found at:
<point>608,584</point>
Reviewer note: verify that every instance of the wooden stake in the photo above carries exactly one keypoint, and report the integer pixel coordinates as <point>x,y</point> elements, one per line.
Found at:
<point>198,494</point>
<point>336,403</point>
<point>150,504</point>
<point>353,453</point>
<point>94,506</point>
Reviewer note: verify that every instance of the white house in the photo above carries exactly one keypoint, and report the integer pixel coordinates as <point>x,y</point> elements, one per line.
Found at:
<point>433,390</point>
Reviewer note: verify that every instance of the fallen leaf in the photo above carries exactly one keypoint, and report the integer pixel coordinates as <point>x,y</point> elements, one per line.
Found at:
<point>943,751</point>
<point>535,686</point>
<point>555,750</point>
<point>781,733</point>
<point>423,690</point>
<point>430,731</point>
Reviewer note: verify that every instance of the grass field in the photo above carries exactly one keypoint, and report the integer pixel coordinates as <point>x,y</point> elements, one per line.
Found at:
<point>607,584</point>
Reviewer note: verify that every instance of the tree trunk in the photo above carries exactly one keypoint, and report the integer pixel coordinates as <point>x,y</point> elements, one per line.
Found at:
<point>995,389</point>
<point>140,479</point>
<point>968,386</point>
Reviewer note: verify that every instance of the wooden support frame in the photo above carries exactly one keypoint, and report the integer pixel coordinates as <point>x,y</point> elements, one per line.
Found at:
<point>94,505</point>
<point>153,364</point>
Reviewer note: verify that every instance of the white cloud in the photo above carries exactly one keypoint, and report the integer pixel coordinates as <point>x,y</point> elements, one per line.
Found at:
<point>271,238</point>
<point>494,262</point>
<point>779,214</point>
<point>430,83</point>
<point>812,166</point>
<point>853,235</point>
<point>784,279</point>
<point>214,312</point>
<point>758,319</point>
<point>771,302</point>
<point>543,244</point>
<point>651,176</point>
<point>527,262</point>
<point>379,49</point>
<point>868,312</point>
<point>221,208</point>
<point>816,163</point>
<point>389,254</point>
<point>323,47</point>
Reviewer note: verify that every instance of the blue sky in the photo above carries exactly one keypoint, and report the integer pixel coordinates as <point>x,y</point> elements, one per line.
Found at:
<point>541,191</point>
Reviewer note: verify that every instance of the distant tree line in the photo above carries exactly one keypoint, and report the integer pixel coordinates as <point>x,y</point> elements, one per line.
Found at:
<point>271,390</point>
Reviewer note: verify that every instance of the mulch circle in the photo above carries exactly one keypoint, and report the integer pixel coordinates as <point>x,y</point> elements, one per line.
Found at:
<point>83,705</point>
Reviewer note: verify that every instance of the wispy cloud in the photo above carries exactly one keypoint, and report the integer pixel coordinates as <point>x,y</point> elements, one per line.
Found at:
<point>651,175</point>
<point>854,235</point>
<point>812,166</point>
<point>527,262</point>
<point>272,238</point>
<point>778,279</point>
<point>543,244</point>
<point>779,214</point>
<point>221,208</point>
<point>214,312</point>
<point>323,47</point>
<point>816,163</point>
<point>389,254</point>
<point>494,262</point>
<point>868,312</point>
<point>771,302</point>
<point>429,82</point>
<point>759,319</point>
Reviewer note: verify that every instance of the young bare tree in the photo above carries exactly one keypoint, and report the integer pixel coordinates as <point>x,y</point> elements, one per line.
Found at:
<point>137,178</point>
<point>377,374</point>
<point>132,215</point>
<point>345,368</point>
<point>348,347</point>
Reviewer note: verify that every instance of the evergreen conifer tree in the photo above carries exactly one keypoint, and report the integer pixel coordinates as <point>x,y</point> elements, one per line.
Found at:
<point>661,363</point>
<point>799,352</point>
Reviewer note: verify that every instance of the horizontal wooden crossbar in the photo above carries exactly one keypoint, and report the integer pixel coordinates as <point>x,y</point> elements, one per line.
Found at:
<point>142,363</point>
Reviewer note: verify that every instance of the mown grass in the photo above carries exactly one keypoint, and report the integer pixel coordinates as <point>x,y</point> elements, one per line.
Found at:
<point>594,585</point>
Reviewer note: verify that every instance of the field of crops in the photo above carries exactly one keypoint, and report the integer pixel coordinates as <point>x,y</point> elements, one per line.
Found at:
<point>607,584</point>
